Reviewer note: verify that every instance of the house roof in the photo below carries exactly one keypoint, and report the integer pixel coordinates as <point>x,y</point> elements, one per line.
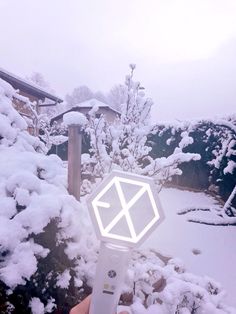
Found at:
<point>94,102</point>
<point>85,104</point>
<point>90,103</point>
<point>28,87</point>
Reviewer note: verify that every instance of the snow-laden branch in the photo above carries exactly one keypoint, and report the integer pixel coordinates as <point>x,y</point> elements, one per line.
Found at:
<point>123,144</point>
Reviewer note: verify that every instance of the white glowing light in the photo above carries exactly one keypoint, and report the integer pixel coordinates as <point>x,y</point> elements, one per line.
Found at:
<point>143,195</point>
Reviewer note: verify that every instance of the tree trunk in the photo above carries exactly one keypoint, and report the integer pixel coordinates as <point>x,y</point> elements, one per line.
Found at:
<point>229,202</point>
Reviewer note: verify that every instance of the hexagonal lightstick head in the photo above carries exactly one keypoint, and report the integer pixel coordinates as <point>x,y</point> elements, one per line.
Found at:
<point>125,208</point>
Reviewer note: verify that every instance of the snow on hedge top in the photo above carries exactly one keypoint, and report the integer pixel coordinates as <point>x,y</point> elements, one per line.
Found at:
<point>74,118</point>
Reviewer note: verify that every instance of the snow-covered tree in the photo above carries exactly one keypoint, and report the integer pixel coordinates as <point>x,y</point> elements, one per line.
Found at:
<point>79,94</point>
<point>117,96</point>
<point>39,80</point>
<point>83,93</point>
<point>123,144</point>
<point>100,96</point>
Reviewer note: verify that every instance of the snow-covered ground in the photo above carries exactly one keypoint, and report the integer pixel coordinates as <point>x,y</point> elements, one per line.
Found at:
<point>178,238</point>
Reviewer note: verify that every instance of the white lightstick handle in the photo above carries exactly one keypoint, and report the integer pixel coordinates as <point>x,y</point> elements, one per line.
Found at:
<point>110,273</point>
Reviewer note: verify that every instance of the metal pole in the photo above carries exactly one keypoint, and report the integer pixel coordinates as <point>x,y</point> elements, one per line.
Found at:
<point>74,160</point>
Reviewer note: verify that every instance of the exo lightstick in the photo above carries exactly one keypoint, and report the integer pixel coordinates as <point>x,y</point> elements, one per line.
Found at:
<point>124,209</point>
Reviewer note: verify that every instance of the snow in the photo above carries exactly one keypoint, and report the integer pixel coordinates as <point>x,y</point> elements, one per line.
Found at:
<point>50,305</point>
<point>39,213</point>
<point>58,139</point>
<point>63,280</point>
<point>186,140</point>
<point>227,122</point>
<point>74,118</point>
<point>94,103</point>
<point>21,264</point>
<point>91,103</point>
<point>37,307</point>
<point>11,233</point>
<point>9,115</point>
<point>94,109</point>
<point>178,237</point>
<point>230,167</point>
<point>8,206</point>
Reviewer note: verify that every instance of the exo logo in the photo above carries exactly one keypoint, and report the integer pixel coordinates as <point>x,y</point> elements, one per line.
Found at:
<point>125,208</point>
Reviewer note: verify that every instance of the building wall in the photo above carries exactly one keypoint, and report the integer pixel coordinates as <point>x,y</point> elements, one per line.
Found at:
<point>25,111</point>
<point>21,107</point>
<point>31,97</point>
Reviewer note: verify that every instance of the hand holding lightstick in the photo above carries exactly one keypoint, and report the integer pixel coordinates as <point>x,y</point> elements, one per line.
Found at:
<point>124,209</point>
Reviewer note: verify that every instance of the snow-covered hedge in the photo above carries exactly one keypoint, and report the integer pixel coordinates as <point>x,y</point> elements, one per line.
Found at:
<point>167,289</point>
<point>214,140</point>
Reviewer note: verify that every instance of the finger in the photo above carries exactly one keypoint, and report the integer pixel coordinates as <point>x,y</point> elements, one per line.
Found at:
<point>81,308</point>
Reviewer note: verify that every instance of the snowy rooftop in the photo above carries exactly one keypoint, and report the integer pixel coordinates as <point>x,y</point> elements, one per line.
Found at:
<point>88,104</point>
<point>27,86</point>
<point>94,102</point>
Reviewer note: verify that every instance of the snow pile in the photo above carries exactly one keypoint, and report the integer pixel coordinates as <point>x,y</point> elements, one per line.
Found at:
<point>74,118</point>
<point>168,288</point>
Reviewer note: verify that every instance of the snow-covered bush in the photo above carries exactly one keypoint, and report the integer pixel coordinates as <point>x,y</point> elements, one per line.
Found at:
<point>39,222</point>
<point>215,141</point>
<point>123,144</point>
<point>52,133</point>
<point>166,288</point>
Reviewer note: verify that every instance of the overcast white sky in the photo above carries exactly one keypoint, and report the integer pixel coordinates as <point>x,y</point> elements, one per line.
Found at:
<point>185,50</point>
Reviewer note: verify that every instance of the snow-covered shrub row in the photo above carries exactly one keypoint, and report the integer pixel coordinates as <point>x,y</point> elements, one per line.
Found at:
<point>214,140</point>
<point>123,144</point>
<point>167,288</point>
<point>42,228</point>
